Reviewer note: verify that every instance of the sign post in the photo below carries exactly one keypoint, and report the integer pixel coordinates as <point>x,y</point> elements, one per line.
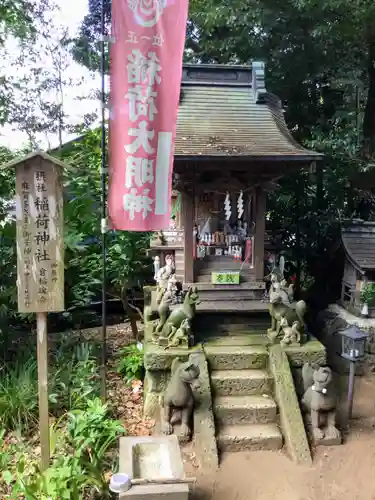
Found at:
<point>40,259</point>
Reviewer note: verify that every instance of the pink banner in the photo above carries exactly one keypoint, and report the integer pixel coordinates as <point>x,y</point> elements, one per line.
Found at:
<point>146,69</point>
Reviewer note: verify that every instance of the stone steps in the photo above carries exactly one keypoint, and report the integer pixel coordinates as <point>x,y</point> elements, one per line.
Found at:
<point>215,324</point>
<point>208,286</point>
<point>231,295</point>
<point>252,437</point>
<point>241,382</point>
<point>227,306</point>
<point>242,357</point>
<point>233,410</point>
<point>245,412</point>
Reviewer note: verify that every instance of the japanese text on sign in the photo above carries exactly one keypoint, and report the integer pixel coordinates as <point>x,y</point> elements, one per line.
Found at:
<point>143,77</point>
<point>39,237</point>
<point>144,101</point>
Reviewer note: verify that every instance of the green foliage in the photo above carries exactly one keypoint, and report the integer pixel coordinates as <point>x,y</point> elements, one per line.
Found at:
<point>16,18</point>
<point>19,396</point>
<point>79,462</point>
<point>368,293</point>
<point>81,438</point>
<point>320,61</point>
<point>131,364</point>
<point>127,262</point>
<point>74,380</point>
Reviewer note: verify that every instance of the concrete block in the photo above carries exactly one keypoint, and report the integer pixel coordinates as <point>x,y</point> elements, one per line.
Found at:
<point>312,352</point>
<point>157,358</point>
<point>290,413</point>
<point>204,438</point>
<point>152,457</point>
<point>249,437</point>
<point>241,382</point>
<point>221,357</point>
<point>245,410</point>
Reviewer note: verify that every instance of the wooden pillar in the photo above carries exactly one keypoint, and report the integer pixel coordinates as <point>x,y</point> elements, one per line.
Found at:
<point>260,229</point>
<point>187,208</point>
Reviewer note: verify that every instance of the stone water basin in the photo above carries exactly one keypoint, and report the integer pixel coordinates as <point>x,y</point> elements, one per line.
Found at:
<point>153,457</point>
<point>152,461</point>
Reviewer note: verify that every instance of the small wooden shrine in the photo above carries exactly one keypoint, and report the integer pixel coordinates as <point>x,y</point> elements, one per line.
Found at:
<point>358,240</point>
<point>232,145</point>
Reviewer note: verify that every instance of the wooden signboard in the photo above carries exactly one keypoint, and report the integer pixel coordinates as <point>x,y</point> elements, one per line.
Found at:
<point>225,278</point>
<point>172,238</point>
<point>40,259</point>
<point>40,246</point>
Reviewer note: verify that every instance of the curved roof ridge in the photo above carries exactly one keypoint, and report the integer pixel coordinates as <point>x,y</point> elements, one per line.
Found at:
<point>215,120</point>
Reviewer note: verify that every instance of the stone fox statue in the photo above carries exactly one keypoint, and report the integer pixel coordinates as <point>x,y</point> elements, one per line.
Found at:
<point>320,400</point>
<point>173,320</point>
<point>283,306</point>
<point>178,399</point>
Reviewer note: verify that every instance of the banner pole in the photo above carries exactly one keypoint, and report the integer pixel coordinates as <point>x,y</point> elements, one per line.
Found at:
<point>103,172</point>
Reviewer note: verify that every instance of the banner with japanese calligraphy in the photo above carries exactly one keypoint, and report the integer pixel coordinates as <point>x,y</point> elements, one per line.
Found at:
<point>148,38</point>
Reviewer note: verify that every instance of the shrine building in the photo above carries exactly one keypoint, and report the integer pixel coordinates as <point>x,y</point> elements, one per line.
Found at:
<point>232,145</point>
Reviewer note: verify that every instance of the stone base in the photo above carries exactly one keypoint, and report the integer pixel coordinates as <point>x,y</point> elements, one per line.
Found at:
<point>158,363</point>
<point>184,343</point>
<point>245,352</point>
<point>271,336</point>
<point>327,441</point>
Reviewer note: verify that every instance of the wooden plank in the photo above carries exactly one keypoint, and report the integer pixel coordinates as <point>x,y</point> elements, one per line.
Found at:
<point>42,354</point>
<point>173,238</point>
<point>237,306</point>
<point>187,219</point>
<point>260,228</point>
<point>40,250</point>
<point>249,285</point>
<point>214,295</point>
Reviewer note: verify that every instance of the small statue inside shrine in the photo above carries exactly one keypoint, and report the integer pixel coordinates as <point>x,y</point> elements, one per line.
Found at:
<point>165,272</point>
<point>156,266</point>
<point>240,231</point>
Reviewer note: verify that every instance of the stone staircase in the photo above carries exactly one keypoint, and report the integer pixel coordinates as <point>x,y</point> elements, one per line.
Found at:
<point>244,409</point>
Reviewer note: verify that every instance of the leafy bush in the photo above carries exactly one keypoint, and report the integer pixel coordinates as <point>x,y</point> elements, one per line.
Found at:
<point>75,379</point>
<point>368,294</point>
<point>127,262</point>
<point>19,396</point>
<point>80,461</point>
<point>131,364</point>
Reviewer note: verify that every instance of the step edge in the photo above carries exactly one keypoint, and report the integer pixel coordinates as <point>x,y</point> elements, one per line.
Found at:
<point>251,373</point>
<point>257,428</point>
<point>262,402</point>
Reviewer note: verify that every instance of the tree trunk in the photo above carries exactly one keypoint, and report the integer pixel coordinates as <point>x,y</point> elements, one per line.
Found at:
<point>369,117</point>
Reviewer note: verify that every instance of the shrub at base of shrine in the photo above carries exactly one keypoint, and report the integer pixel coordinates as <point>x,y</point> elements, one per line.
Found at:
<point>82,434</point>
<point>131,364</point>
<point>81,460</point>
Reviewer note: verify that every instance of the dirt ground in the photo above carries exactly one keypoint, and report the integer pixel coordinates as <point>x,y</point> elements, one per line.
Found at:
<point>344,472</point>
